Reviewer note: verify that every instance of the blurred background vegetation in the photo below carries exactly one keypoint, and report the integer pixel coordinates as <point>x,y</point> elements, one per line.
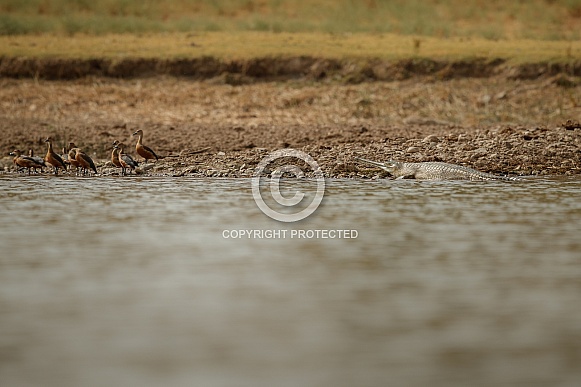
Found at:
<point>488,19</point>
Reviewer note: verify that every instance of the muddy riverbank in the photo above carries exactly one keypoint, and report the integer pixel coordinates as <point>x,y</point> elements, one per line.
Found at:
<point>213,128</point>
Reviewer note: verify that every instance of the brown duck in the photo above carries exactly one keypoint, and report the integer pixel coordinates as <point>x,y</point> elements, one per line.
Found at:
<point>126,161</point>
<point>39,160</point>
<point>84,161</point>
<point>71,156</point>
<point>26,161</point>
<point>144,151</point>
<point>115,155</point>
<point>53,158</point>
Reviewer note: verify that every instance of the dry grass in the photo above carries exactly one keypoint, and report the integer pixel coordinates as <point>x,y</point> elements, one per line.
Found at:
<point>533,19</point>
<point>245,45</point>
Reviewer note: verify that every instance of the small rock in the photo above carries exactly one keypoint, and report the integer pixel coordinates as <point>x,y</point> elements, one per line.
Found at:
<point>413,149</point>
<point>431,138</point>
<point>501,95</point>
<point>221,153</point>
<point>477,155</point>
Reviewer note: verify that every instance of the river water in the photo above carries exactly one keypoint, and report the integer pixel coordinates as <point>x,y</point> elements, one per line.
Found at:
<point>148,282</point>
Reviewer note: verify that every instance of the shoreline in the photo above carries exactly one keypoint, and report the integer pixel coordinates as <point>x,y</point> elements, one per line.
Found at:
<point>521,158</point>
<point>494,125</point>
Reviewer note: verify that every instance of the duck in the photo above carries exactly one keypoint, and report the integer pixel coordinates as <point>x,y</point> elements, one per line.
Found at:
<point>142,150</point>
<point>71,156</point>
<point>38,160</point>
<point>84,161</point>
<point>126,161</point>
<point>115,155</point>
<point>25,161</point>
<point>53,158</point>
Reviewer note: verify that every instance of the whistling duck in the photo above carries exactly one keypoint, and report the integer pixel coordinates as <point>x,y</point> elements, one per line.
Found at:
<point>52,158</point>
<point>115,155</point>
<point>84,161</point>
<point>17,154</point>
<point>144,151</point>
<point>38,160</point>
<point>71,156</point>
<point>25,161</point>
<point>126,161</point>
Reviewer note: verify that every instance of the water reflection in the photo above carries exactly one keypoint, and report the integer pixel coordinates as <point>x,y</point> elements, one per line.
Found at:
<point>114,281</point>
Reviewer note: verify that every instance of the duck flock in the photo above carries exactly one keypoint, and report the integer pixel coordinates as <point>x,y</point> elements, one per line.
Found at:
<point>76,158</point>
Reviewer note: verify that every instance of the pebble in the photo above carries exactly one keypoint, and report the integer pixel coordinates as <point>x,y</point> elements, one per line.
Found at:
<point>413,149</point>
<point>480,151</point>
<point>431,138</point>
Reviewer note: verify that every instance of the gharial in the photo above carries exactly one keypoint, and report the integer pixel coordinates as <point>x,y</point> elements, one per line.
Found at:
<point>434,170</point>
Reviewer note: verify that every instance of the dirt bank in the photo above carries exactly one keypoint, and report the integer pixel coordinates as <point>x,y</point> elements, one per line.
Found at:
<point>280,68</point>
<point>211,128</point>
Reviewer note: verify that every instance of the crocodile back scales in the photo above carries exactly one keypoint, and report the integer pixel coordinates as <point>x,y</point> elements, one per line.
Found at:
<point>443,171</point>
<point>434,170</point>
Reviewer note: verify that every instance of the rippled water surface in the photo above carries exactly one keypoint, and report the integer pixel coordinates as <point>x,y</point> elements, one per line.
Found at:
<point>110,281</point>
